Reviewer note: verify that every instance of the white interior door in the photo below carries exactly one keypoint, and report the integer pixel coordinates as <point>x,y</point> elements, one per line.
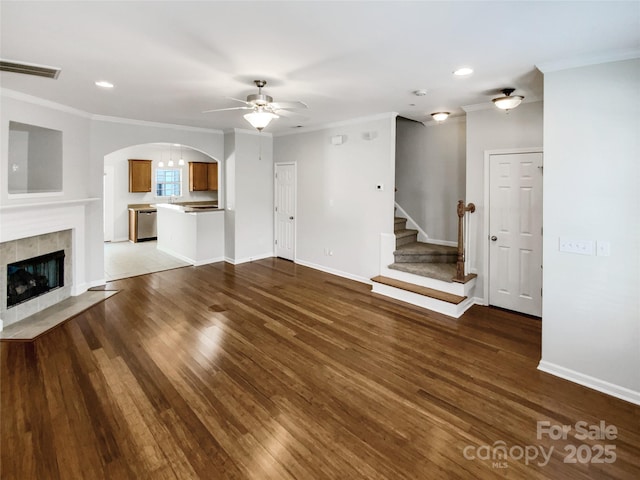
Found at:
<point>285,210</point>
<point>515,232</point>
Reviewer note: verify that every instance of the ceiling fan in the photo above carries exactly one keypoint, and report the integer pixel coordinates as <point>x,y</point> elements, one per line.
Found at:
<point>264,109</point>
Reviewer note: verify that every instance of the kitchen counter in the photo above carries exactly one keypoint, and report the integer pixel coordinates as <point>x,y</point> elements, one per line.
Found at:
<point>193,233</point>
<point>136,207</point>
<point>189,208</point>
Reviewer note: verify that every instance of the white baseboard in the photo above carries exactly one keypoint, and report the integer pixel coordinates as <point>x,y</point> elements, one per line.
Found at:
<point>175,254</point>
<point>97,283</point>
<point>207,261</point>
<point>590,382</point>
<point>79,289</point>
<point>262,256</point>
<point>333,271</point>
<point>184,258</point>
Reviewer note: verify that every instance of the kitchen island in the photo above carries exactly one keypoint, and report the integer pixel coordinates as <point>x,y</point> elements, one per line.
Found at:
<point>193,233</point>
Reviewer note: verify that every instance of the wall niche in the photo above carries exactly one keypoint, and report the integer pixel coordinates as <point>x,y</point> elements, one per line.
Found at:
<point>35,159</point>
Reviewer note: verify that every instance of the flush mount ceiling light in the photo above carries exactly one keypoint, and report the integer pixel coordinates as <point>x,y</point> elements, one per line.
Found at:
<point>462,71</point>
<point>440,116</point>
<point>104,84</point>
<point>508,101</point>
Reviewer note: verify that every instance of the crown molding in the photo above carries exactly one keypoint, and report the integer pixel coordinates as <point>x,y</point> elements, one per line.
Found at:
<point>15,95</point>
<point>145,123</point>
<point>489,106</point>
<point>586,60</point>
<point>23,97</point>
<point>342,123</point>
<point>247,131</point>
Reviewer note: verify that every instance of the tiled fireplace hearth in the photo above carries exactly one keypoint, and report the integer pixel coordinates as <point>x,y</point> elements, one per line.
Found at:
<point>34,229</point>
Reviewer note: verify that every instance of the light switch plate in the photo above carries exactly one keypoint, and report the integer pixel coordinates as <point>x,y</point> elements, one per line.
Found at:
<point>580,247</point>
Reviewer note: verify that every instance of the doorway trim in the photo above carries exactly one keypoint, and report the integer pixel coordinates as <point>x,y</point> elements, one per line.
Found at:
<point>107,202</point>
<point>485,219</point>
<point>295,208</point>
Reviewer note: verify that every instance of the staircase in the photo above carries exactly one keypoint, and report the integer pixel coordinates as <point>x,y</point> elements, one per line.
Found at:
<point>423,274</point>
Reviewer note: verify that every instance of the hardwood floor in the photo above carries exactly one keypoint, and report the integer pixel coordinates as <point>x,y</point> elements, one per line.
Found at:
<point>270,370</point>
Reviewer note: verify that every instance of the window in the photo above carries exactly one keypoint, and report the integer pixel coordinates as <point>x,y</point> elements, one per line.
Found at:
<point>168,182</point>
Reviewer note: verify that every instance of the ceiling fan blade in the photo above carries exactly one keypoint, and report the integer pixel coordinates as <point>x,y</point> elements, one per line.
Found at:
<point>226,109</point>
<point>279,105</point>
<point>241,101</point>
<point>288,114</point>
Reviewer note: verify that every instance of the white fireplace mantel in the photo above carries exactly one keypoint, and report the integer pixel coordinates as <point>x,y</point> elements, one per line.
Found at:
<point>31,219</point>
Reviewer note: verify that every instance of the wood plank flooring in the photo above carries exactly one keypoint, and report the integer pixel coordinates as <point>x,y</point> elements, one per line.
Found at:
<point>270,370</point>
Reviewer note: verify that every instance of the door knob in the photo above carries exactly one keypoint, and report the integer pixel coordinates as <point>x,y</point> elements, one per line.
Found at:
<point>493,238</point>
<point>290,218</point>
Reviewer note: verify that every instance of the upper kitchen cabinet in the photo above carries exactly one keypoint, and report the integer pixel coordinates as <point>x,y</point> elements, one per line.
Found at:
<point>139,175</point>
<point>203,176</point>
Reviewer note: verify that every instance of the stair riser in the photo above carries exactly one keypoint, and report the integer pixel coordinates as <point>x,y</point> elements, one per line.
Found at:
<point>409,258</point>
<point>405,240</point>
<point>400,225</point>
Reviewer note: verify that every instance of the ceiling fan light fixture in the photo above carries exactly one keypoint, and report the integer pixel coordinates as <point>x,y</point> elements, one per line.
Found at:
<point>440,116</point>
<point>508,101</point>
<point>260,119</point>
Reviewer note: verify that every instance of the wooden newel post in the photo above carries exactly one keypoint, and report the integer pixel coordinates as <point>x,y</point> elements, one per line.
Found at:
<point>462,209</point>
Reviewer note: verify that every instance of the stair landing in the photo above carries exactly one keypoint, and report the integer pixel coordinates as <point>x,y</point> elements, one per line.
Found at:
<point>439,271</point>
<point>427,292</point>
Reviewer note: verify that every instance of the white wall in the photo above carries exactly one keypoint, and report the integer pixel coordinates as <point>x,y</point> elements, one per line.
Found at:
<point>18,144</point>
<point>591,304</point>
<point>230,196</point>
<point>249,169</point>
<point>75,144</point>
<point>430,174</point>
<point>338,206</point>
<point>155,152</point>
<point>493,129</point>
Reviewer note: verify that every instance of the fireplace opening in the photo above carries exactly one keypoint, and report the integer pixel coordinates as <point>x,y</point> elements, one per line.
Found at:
<point>33,277</point>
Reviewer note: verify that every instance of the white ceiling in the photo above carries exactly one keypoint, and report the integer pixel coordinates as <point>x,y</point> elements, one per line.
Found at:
<point>171,60</point>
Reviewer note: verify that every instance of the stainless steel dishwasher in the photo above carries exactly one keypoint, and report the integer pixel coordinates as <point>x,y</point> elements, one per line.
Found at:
<point>147,225</point>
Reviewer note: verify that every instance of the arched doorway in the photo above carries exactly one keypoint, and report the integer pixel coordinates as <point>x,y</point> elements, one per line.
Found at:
<point>167,171</point>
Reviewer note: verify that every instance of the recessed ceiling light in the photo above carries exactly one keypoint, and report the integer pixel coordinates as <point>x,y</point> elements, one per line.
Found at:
<point>462,71</point>
<point>420,93</point>
<point>104,84</point>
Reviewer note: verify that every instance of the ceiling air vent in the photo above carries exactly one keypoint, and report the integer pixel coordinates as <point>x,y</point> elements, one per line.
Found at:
<point>29,69</point>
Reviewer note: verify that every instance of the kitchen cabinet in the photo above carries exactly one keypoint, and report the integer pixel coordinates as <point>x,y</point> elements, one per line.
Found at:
<point>203,176</point>
<point>139,175</point>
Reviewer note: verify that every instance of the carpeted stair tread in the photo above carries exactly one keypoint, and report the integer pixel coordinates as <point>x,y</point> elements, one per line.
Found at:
<point>422,248</point>
<point>420,290</point>
<point>405,232</point>
<point>439,271</point>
